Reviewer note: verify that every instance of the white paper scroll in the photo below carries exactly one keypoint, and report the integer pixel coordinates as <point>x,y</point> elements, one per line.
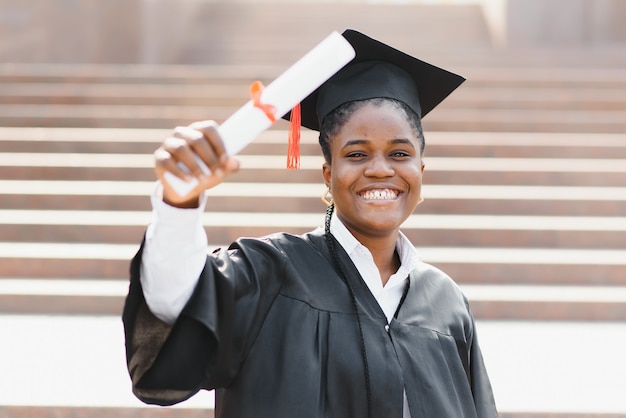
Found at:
<point>289,89</point>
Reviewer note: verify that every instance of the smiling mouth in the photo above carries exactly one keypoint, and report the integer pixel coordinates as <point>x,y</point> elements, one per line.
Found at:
<point>380,194</point>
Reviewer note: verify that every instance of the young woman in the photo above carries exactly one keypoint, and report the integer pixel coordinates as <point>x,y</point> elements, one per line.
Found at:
<point>344,321</point>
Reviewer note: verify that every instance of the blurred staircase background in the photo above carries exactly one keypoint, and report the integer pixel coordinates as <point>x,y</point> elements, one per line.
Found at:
<point>525,164</point>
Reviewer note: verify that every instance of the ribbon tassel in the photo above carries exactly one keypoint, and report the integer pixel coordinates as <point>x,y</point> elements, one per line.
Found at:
<point>293,149</point>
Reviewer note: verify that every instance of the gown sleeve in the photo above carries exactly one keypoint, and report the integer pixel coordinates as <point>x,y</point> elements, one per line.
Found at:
<point>204,348</point>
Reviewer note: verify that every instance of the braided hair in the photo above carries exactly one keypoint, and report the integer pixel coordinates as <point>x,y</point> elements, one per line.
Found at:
<point>338,267</point>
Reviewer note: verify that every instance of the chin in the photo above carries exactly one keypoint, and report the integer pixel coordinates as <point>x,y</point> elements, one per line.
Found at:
<point>385,224</point>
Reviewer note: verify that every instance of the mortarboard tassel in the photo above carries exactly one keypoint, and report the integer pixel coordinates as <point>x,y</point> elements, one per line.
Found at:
<point>293,150</point>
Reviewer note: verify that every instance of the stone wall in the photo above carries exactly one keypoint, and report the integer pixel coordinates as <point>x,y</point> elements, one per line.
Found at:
<point>565,22</point>
<point>214,31</point>
<point>70,30</point>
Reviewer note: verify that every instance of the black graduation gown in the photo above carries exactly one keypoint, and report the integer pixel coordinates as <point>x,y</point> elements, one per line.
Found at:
<point>272,328</point>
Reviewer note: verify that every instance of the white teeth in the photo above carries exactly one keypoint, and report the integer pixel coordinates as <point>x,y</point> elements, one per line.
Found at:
<point>380,194</point>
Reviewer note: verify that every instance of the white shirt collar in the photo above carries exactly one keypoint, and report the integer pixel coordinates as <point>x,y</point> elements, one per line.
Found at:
<point>409,258</point>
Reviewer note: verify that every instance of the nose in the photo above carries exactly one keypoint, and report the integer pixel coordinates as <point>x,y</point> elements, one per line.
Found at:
<point>379,166</point>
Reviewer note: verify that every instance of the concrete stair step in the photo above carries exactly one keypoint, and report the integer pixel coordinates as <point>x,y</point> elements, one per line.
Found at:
<point>474,237</point>
<point>132,74</point>
<point>235,95</point>
<point>273,142</point>
<point>286,197</point>
<point>167,115</point>
<point>527,120</point>
<point>271,168</point>
<point>551,76</point>
<point>214,94</point>
<point>520,302</point>
<point>436,174</point>
<point>101,116</point>
<point>23,411</point>
<point>443,203</point>
<point>526,302</point>
<point>519,72</point>
<point>258,15</point>
<point>525,145</point>
<point>12,411</point>
<point>83,140</point>
<point>544,98</point>
<point>425,229</point>
<point>519,268</point>
<point>468,265</point>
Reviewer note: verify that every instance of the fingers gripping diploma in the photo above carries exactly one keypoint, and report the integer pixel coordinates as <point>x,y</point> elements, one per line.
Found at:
<point>195,155</point>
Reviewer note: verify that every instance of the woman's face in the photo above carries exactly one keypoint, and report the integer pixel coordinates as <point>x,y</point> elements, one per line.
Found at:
<point>376,173</point>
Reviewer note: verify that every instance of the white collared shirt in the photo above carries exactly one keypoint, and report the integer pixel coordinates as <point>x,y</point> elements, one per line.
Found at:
<point>388,296</point>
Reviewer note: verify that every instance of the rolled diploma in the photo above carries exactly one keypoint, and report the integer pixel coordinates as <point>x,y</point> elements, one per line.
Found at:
<point>289,89</point>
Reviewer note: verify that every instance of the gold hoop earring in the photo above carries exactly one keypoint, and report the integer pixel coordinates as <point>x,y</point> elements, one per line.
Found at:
<point>327,197</point>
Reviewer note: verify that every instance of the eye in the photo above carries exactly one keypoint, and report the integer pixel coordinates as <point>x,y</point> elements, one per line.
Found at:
<point>355,155</point>
<point>400,154</point>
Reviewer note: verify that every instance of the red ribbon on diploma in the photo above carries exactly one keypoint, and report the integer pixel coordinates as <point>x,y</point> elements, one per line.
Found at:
<point>293,150</point>
<point>256,89</point>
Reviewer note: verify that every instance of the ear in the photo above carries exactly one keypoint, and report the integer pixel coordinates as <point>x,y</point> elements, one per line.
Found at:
<point>326,173</point>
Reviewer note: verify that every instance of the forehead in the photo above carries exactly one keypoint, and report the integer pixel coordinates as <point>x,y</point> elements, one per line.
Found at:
<point>380,120</point>
<point>377,117</point>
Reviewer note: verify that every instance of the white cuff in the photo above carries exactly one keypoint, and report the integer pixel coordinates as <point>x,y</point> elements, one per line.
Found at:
<point>174,255</point>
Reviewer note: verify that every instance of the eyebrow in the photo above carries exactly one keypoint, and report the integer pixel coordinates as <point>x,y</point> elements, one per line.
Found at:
<point>366,141</point>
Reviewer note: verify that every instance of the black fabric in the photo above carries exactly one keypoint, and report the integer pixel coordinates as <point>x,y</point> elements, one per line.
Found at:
<point>367,80</point>
<point>272,328</point>
<point>379,70</point>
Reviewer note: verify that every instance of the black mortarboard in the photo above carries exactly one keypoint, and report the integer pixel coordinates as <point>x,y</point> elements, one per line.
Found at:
<point>379,70</point>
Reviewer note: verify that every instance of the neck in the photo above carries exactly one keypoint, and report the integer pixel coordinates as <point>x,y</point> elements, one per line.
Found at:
<point>381,246</point>
<point>385,256</point>
<point>384,253</point>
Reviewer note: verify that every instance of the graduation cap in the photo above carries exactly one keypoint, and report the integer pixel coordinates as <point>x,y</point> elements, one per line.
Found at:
<point>378,70</point>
